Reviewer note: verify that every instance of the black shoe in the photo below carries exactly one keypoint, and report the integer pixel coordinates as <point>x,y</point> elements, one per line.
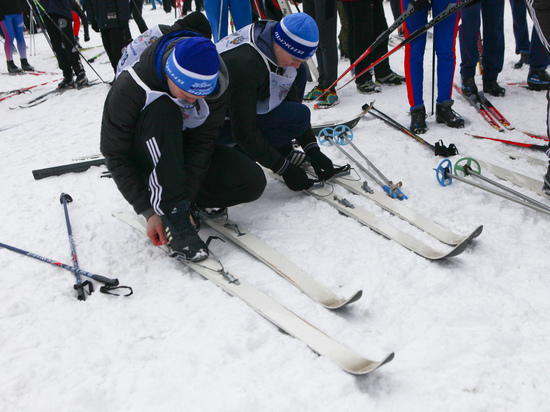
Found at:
<point>469,86</point>
<point>392,78</point>
<point>182,235</point>
<point>538,79</point>
<point>546,185</point>
<point>81,80</point>
<point>444,114</point>
<point>493,88</point>
<point>12,68</point>
<point>368,87</point>
<point>26,66</point>
<point>66,83</point>
<point>418,120</point>
<point>523,58</point>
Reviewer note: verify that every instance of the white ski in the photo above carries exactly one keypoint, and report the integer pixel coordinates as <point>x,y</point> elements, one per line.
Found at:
<point>516,178</point>
<point>278,262</point>
<point>384,228</point>
<point>397,208</point>
<point>273,311</point>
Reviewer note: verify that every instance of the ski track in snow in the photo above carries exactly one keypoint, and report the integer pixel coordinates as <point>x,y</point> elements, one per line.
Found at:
<point>470,333</point>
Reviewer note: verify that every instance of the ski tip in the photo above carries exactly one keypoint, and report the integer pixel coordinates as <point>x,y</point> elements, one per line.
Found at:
<point>369,366</point>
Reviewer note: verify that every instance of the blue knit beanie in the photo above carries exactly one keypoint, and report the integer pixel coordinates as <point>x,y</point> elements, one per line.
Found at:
<point>298,35</point>
<point>193,66</point>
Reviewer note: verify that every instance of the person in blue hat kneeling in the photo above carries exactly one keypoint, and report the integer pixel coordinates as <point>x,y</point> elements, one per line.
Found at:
<point>267,80</point>
<point>161,121</point>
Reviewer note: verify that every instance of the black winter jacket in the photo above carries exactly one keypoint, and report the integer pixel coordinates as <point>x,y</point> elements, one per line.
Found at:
<point>108,14</point>
<point>121,112</point>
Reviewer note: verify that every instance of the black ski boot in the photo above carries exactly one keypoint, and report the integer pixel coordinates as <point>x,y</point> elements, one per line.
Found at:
<point>522,60</point>
<point>538,79</point>
<point>493,88</point>
<point>81,80</point>
<point>469,86</point>
<point>12,68</point>
<point>418,120</point>
<point>444,114</point>
<point>546,185</point>
<point>66,83</point>
<point>182,235</point>
<point>26,66</point>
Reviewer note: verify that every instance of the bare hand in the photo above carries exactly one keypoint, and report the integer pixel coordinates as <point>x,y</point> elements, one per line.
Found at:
<point>155,231</point>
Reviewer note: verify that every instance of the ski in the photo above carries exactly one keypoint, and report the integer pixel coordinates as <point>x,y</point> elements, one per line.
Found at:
<point>516,178</point>
<point>351,123</point>
<point>398,209</point>
<point>17,92</point>
<point>276,261</point>
<point>43,97</point>
<point>491,115</point>
<point>502,120</point>
<point>384,228</point>
<point>476,101</point>
<point>68,168</point>
<point>272,310</point>
<point>540,148</point>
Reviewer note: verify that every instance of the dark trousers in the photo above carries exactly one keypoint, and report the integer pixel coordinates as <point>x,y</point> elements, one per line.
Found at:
<point>171,168</point>
<point>538,59</point>
<point>61,35</point>
<point>114,40</point>
<point>366,20</point>
<point>492,12</point>
<point>324,12</point>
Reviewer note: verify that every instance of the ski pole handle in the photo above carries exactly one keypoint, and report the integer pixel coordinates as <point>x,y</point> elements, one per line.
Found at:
<point>105,281</point>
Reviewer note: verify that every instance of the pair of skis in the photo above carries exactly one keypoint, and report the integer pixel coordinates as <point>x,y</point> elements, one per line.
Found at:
<point>268,307</point>
<point>43,97</point>
<point>396,208</point>
<point>498,122</point>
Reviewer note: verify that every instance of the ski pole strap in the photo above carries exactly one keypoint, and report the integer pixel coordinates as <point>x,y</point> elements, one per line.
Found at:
<point>108,289</point>
<point>81,291</point>
<point>441,150</point>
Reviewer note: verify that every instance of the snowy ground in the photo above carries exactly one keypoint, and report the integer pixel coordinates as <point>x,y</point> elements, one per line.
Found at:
<point>469,334</point>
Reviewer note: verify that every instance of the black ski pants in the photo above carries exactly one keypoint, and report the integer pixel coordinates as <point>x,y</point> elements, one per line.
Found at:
<point>60,30</point>
<point>114,40</point>
<point>173,168</point>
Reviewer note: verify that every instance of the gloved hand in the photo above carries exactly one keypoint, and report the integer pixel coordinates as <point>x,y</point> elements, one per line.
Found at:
<point>324,169</point>
<point>296,178</point>
<point>95,27</point>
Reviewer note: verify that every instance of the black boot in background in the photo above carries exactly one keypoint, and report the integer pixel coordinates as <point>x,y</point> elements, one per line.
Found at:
<point>418,120</point>
<point>12,68</point>
<point>26,66</point>
<point>444,114</point>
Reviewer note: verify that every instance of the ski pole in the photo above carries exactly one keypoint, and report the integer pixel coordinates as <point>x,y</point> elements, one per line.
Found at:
<point>79,287</point>
<point>451,8</point>
<point>390,188</point>
<point>383,36</point>
<point>444,174</point>
<point>468,170</point>
<point>439,148</point>
<point>99,278</point>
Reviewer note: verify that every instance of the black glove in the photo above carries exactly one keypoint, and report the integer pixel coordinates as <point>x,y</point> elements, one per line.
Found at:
<point>296,178</point>
<point>324,169</point>
<point>420,4</point>
<point>95,27</point>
